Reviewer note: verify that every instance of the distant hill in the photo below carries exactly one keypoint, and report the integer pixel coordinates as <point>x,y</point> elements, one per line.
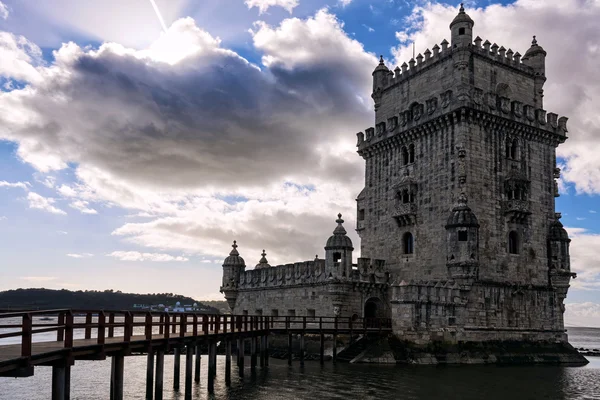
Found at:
<point>34,299</point>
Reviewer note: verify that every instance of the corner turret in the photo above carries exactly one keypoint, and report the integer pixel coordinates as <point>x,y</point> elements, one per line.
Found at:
<point>462,230</point>
<point>233,266</point>
<point>338,252</point>
<point>263,263</point>
<point>380,81</point>
<point>461,29</point>
<point>535,58</point>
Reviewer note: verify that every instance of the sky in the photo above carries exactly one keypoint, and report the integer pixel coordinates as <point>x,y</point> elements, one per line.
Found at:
<point>139,138</point>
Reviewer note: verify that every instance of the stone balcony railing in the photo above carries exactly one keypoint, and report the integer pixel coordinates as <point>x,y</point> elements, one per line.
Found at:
<point>516,210</point>
<point>404,213</point>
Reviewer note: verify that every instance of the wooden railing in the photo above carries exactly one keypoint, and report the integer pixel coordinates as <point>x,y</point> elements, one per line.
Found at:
<point>144,325</point>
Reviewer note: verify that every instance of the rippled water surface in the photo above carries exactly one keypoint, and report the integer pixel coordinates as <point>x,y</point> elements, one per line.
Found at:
<point>90,380</point>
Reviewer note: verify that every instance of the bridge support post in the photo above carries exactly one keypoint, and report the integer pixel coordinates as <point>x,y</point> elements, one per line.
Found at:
<point>160,373</point>
<point>334,348</point>
<point>242,356</point>
<point>253,354</point>
<point>266,341</point>
<point>116,380</point>
<point>211,366</point>
<point>198,362</point>
<point>228,362</point>
<point>261,350</point>
<point>67,382</point>
<point>302,350</point>
<point>322,349</point>
<point>214,369</point>
<point>290,349</point>
<point>149,374</point>
<point>59,387</point>
<point>176,368</point>
<point>189,357</point>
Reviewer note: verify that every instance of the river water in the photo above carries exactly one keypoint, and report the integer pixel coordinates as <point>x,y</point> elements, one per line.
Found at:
<point>90,380</point>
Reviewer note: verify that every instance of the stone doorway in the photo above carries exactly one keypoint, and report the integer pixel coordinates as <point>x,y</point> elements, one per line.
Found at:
<point>373,308</point>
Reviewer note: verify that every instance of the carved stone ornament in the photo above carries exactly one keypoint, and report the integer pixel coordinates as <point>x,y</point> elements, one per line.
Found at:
<point>417,110</point>
<point>361,138</point>
<point>517,109</point>
<point>505,105</point>
<point>478,97</point>
<point>491,100</point>
<point>432,105</point>
<point>553,120</point>
<point>446,98</point>
<point>541,116</point>
<point>392,123</point>
<point>529,113</point>
<point>403,118</point>
<point>336,311</point>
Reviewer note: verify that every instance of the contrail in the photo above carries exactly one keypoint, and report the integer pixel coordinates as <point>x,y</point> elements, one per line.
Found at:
<point>160,18</point>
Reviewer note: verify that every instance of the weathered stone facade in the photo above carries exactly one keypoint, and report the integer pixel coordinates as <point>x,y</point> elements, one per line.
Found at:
<point>459,236</point>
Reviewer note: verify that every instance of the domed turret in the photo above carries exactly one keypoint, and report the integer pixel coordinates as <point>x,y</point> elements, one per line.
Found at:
<point>380,75</point>
<point>339,240</point>
<point>234,258</point>
<point>535,58</point>
<point>558,246</point>
<point>534,50</point>
<point>461,215</point>
<point>461,29</point>
<point>338,252</point>
<point>263,263</point>
<point>233,266</point>
<point>463,241</point>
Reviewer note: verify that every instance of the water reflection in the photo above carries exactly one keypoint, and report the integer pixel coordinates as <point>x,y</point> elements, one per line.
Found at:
<point>90,380</point>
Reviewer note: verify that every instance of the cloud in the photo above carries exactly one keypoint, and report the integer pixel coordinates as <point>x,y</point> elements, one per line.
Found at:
<point>22,185</point>
<point>80,255</point>
<point>82,206</point>
<point>2,217</point>
<point>19,58</point>
<point>43,203</point>
<point>344,3</point>
<point>62,232</point>
<point>3,11</point>
<point>207,145</point>
<point>572,88</point>
<point>583,314</point>
<point>137,256</point>
<point>263,5</point>
<point>38,278</point>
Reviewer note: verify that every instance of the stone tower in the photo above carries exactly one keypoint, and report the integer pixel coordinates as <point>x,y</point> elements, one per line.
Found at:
<point>459,193</point>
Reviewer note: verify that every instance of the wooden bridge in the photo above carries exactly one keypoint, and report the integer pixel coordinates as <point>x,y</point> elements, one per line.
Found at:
<point>71,335</point>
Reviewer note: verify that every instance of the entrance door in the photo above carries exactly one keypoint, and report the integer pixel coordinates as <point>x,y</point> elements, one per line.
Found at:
<point>372,312</point>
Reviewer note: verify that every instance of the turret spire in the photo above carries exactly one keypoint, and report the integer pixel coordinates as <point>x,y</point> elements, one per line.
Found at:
<point>234,252</point>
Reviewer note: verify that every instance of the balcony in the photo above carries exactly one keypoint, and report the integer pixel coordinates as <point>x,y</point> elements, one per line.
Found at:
<point>404,213</point>
<point>516,210</point>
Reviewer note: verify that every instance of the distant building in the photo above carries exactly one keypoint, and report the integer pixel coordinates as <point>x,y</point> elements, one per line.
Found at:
<point>460,241</point>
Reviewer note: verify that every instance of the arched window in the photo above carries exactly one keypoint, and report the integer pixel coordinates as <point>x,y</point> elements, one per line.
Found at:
<point>513,242</point>
<point>514,149</point>
<point>404,156</point>
<point>411,153</point>
<point>405,196</point>
<point>508,147</point>
<point>461,31</point>
<point>409,246</point>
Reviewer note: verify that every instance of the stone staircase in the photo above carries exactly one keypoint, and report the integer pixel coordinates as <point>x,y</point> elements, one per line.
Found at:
<point>353,350</point>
